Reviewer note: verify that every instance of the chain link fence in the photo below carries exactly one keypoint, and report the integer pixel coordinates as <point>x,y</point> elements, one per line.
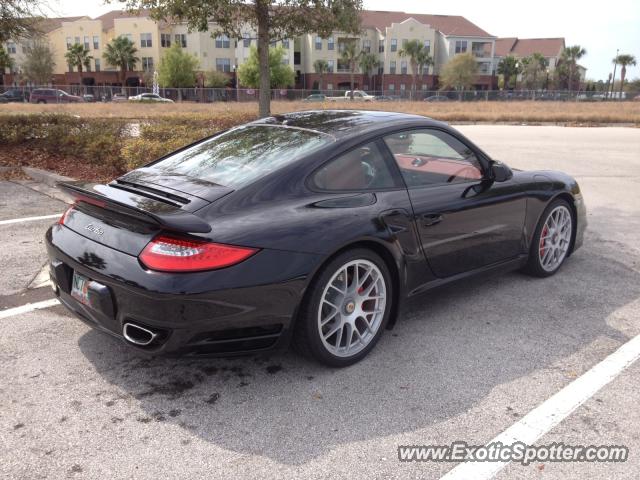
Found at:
<point>210,95</point>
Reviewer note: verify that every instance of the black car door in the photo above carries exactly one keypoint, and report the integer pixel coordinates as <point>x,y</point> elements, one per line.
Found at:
<point>464,222</point>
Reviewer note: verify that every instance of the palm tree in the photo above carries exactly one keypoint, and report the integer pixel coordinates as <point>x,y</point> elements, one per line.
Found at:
<point>321,67</point>
<point>508,67</point>
<point>571,55</point>
<point>78,56</point>
<point>424,61</point>
<point>533,65</point>
<point>414,50</point>
<point>624,60</point>
<point>121,53</point>
<point>351,56</point>
<point>369,62</point>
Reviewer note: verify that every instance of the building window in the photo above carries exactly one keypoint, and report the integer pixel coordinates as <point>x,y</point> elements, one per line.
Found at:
<point>86,43</point>
<point>181,39</point>
<point>392,67</point>
<point>461,46</point>
<point>285,43</point>
<point>68,43</point>
<point>145,40</point>
<point>285,61</point>
<point>96,61</point>
<point>318,43</point>
<point>380,46</point>
<point>147,64</point>
<point>165,40</point>
<point>427,45</point>
<point>11,47</point>
<point>223,64</point>
<point>331,44</point>
<point>392,86</point>
<point>96,42</point>
<point>76,40</point>
<point>222,41</point>
<point>394,44</point>
<point>329,86</point>
<point>246,40</point>
<point>128,36</point>
<point>402,87</point>
<point>330,66</point>
<point>380,70</point>
<point>424,86</point>
<point>404,42</point>
<point>403,67</point>
<point>366,46</point>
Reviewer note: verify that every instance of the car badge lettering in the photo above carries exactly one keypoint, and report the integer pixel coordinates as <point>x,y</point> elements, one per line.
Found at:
<point>94,229</point>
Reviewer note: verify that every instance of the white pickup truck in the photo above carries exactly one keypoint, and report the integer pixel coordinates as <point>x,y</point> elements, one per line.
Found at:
<point>357,95</point>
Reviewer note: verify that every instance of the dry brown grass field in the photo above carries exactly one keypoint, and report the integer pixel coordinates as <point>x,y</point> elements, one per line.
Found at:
<point>510,112</point>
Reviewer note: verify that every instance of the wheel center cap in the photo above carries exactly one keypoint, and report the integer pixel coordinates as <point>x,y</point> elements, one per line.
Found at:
<point>350,307</point>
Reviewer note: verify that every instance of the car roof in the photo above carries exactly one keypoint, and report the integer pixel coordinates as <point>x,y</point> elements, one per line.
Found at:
<point>346,123</point>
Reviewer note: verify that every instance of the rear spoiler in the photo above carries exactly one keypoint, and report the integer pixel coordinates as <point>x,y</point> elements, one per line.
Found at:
<point>150,210</point>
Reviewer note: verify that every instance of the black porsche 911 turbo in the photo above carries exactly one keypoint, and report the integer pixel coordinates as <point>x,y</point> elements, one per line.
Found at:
<point>307,228</point>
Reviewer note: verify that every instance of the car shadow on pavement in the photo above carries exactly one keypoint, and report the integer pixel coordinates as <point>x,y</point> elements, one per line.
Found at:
<point>450,348</point>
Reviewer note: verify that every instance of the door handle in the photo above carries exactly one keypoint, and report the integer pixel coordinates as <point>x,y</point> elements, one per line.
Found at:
<point>429,219</point>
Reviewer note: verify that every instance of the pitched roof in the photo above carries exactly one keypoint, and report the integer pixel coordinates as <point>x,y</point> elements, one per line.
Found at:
<point>109,18</point>
<point>523,47</point>
<point>47,25</point>
<point>447,24</point>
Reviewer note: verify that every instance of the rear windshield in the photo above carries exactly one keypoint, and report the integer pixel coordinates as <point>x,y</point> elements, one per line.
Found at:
<point>244,154</point>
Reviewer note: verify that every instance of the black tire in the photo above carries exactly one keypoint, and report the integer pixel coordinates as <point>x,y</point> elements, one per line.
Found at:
<point>534,265</point>
<point>306,338</point>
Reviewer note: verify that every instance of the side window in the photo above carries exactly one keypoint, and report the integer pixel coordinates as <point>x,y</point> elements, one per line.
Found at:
<point>363,168</point>
<point>432,157</point>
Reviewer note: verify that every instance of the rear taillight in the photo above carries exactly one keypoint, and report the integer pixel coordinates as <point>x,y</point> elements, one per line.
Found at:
<point>172,254</point>
<point>63,218</point>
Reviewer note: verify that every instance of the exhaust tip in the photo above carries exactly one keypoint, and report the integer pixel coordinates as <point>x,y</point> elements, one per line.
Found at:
<point>138,335</point>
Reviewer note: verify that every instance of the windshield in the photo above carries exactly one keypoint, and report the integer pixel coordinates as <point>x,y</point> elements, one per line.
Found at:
<point>243,155</point>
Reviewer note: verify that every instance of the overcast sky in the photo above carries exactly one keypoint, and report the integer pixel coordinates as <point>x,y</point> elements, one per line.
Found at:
<point>601,28</point>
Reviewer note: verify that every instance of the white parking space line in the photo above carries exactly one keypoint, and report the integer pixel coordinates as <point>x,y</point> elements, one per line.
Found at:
<point>29,307</point>
<point>29,219</point>
<point>551,412</point>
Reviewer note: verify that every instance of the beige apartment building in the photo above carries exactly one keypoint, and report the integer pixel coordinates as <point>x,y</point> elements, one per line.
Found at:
<point>383,34</point>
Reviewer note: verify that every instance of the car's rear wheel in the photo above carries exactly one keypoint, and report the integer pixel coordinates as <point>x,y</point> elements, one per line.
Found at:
<point>346,309</point>
<point>552,240</point>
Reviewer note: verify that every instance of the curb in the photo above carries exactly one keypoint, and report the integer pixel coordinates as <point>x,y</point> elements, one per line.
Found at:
<point>45,177</point>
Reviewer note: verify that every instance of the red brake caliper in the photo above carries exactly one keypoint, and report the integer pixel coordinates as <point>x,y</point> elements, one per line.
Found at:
<point>544,233</point>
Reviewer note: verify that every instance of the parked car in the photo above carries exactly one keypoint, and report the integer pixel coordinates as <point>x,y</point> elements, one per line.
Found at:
<point>316,97</point>
<point>119,97</point>
<point>387,98</point>
<point>149,97</point>
<point>436,98</point>
<point>52,95</point>
<point>636,98</point>
<point>311,226</point>
<point>13,95</point>
<point>87,97</point>
<point>357,95</point>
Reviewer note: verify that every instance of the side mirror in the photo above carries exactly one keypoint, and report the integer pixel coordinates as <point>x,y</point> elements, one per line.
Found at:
<point>500,172</point>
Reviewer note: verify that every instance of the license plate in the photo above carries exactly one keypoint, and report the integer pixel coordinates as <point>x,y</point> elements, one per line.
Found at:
<point>80,288</point>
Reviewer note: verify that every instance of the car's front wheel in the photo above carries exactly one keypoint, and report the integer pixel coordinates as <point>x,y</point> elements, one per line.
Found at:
<point>552,240</point>
<point>346,309</point>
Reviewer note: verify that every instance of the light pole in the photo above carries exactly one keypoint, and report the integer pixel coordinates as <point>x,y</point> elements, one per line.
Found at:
<point>235,71</point>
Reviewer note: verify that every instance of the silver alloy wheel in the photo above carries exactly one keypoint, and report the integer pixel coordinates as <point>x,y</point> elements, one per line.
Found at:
<point>555,238</point>
<point>352,307</point>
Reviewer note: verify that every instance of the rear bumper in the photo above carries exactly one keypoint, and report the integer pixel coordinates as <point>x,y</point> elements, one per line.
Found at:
<point>249,307</point>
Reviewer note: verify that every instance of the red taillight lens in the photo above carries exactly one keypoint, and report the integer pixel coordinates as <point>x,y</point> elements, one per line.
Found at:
<point>172,254</point>
<point>63,218</point>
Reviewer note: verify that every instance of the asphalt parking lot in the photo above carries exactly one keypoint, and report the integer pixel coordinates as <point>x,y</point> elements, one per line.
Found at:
<point>465,362</point>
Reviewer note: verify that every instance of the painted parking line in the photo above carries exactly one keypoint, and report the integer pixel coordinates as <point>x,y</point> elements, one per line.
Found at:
<point>29,307</point>
<point>29,219</point>
<point>551,412</point>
